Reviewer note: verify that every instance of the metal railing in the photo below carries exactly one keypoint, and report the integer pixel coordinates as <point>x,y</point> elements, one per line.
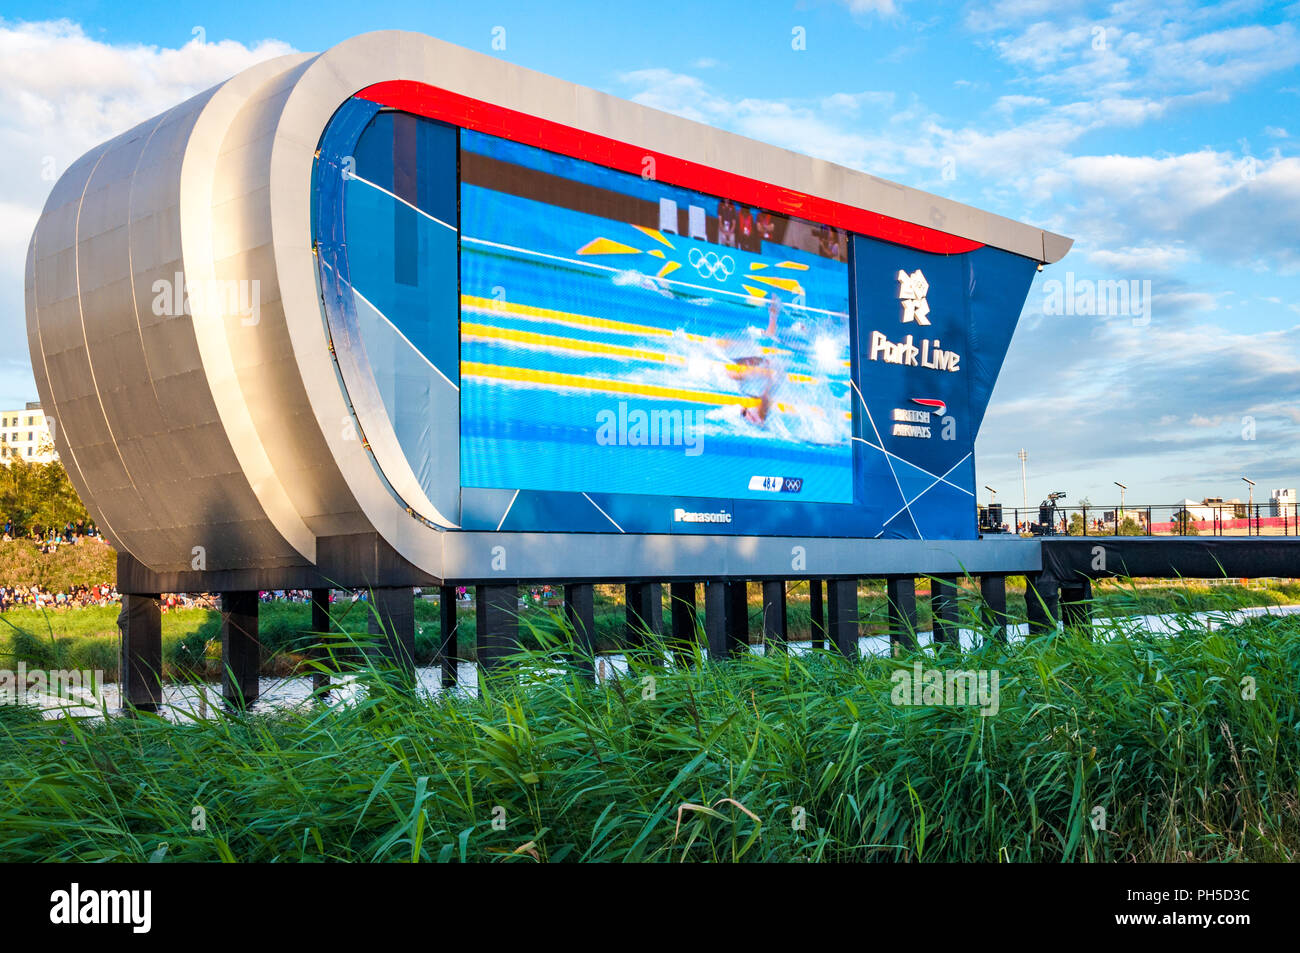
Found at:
<point>1208,519</point>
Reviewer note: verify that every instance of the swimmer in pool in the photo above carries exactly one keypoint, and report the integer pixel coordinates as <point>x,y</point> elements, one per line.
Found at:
<point>757,370</point>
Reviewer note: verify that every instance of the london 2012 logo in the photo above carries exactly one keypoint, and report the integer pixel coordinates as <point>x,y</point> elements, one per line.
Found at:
<point>928,352</point>
<point>912,290</point>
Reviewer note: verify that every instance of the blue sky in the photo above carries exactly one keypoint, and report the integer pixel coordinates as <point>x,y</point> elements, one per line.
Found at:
<point>1162,136</point>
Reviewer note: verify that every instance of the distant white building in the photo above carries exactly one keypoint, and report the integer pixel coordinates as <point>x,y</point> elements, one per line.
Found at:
<point>26,433</point>
<point>1214,507</point>
<point>1282,502</point>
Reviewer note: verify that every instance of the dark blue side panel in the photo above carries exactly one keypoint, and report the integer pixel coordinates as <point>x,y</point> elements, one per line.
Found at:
<point>998,282</point>
<point>932,332</point>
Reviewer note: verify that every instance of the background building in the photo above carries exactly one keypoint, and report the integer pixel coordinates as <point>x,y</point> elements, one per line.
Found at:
<point>1282,501</point>
<point>1215,508</point>
<point>26,433</point>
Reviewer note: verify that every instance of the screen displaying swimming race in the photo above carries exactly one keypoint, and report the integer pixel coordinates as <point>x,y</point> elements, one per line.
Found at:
<point>621,335</point>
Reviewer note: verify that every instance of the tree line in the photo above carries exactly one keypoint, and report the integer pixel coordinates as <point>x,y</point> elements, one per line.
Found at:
<point>38,497</point>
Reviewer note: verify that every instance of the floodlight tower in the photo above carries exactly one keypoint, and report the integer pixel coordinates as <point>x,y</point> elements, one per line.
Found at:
<point>1024,483</point>
<point>1250,505</point>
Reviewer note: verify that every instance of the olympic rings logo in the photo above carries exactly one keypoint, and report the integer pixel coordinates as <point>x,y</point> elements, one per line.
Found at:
<point>709,265</point>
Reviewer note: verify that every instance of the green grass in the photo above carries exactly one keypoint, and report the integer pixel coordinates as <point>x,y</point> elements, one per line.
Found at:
<point>1124,596</point>
<point>706,762</point>
<point>87,563</point>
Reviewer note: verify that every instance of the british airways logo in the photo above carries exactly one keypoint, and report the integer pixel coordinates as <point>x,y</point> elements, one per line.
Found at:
<point>910,422</point>
<point>937,406</point>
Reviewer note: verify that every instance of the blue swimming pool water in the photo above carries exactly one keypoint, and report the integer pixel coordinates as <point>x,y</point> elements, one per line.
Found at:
<point>540,372</point>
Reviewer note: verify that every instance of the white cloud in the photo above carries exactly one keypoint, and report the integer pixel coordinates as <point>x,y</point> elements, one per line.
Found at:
<point>1144,47</point>
<point>677,93</point>
<point>1044,44</point>
<point>1159,407</point>
<point>1140,260</point>
<point>827,128</point>
<point>62,93</point>
<point>1226,59</point>
<point>1230,208</point>
<point>1005,13</point>
<point>1009,104</point>
<point>48,108</point>
<point>880,8</point>
<point>871,131</point>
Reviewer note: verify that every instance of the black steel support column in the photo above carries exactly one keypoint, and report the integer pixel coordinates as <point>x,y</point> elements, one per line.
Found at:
<point>684,619</point>
<point>726,618</point>
<point>737,618</point>
<point>240,650</point>
<point>497,617</point>
<point>1042,602</point>
<point>943,609</point>
<point>1076,604</point>
<point>715,618</point>
<point>842,615</point>
<point>580,611</point>
<point>320,627</point>
<point>643,612</point>
<point>448,656</point>
<point>140,622</point>
<point>817,612</point>
<point>900,593</point>
<point>774,618</point>
<point>393,619</point>
<point>993,590</point>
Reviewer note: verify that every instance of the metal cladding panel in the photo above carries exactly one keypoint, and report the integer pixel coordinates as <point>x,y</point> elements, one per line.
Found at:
<point>198,427</point>
<point>52,279</point>
<point>478,557</point>
<point>262,350</point>
<point>108,360</point>
<point>226,305</point>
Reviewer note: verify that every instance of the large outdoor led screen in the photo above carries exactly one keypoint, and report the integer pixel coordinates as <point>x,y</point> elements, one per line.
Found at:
<point>620,335</point>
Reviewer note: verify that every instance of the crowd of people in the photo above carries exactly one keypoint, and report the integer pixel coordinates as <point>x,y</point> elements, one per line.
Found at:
<point>742,227</point>
<point>100,594</point>
<point>189,600</point>
<point>51,539</point>
<point>106,594</point>
<point>745,228</point>
<point>38,597</point>
<point>284,595</point>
